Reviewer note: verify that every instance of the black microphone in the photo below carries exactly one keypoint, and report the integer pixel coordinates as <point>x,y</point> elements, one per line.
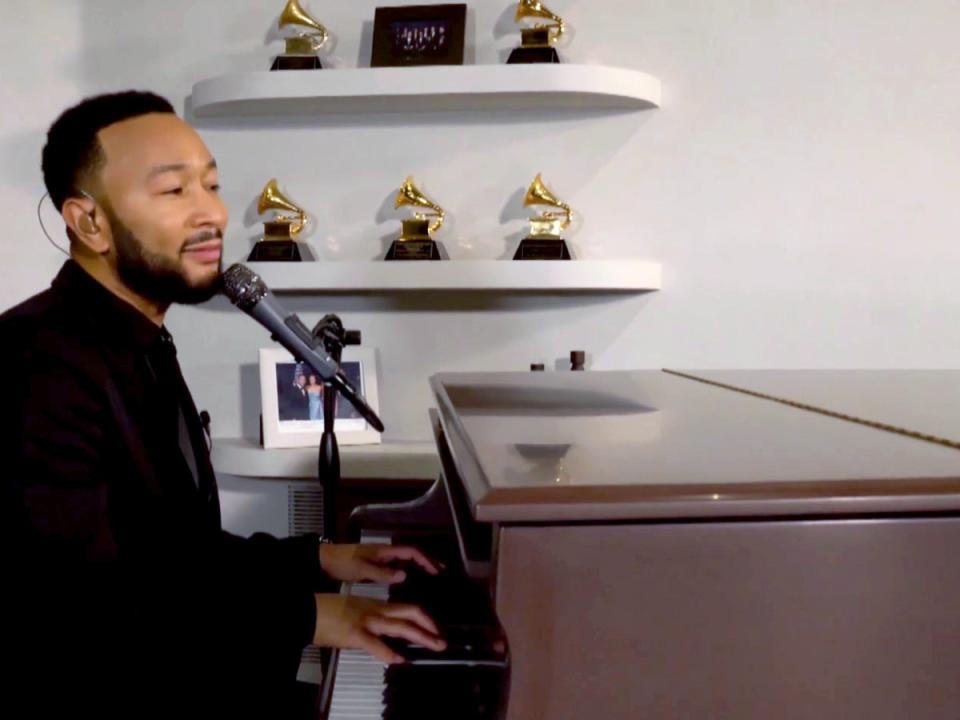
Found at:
<point>248,292</point>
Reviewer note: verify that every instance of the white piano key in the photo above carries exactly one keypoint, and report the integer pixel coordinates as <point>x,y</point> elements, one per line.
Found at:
<point>360,679</point>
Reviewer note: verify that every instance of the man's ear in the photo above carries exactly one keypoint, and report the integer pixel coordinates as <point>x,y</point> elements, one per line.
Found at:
<point>82,217</point>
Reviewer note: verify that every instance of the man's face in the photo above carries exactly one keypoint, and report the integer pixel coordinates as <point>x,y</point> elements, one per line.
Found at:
<point>301,380</point>
<point>160,192</point>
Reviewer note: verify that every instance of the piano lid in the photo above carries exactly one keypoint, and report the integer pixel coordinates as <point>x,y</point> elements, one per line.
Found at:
<point>921,401</point>
<point>595,446</point>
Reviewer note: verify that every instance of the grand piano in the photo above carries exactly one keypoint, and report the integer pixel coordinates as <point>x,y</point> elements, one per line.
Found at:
<point>696,545</point>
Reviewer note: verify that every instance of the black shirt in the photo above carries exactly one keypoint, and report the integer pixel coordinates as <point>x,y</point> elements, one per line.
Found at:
<point>125,594</point>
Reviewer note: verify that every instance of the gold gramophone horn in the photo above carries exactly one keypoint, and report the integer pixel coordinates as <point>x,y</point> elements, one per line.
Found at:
<point>294,14</point>
<point>272,199</point>
<point>539,194</point>
<point>536,9</point>
<point>411,195</point>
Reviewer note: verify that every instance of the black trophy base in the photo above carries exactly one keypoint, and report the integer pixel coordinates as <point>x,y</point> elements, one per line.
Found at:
<point>296,62</point>
<point>541,249</point>
<point>275,251</point>
<point>530,55</point>
<point>414,250</point>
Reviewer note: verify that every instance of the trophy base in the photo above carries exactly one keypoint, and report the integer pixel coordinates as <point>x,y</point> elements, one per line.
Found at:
<point>529,55</point>
<point>296,62</point>
<point>414,250</point>
<point>542,249</point>
<point>275,251</point>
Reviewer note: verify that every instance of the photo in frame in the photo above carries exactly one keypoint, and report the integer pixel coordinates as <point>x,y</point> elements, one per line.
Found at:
<point>291,400</point>
<point>419,35</point>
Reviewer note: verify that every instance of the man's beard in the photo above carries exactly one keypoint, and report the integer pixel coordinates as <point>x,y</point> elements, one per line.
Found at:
<point>153,276</point>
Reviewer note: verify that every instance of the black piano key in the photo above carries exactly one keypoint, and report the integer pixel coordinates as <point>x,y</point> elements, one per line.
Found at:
<point>426,692</point>
<point>449,598</point>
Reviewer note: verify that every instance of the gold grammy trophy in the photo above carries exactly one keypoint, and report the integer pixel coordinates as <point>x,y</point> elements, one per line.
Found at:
<point>545,241</point>
<point>537,45</point>
<point>280,232</point>
<point>416,237</point>
<point>301,51</point>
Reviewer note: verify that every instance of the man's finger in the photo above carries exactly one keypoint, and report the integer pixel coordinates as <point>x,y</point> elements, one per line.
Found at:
<point>376,647</point>
<point>406,552</point>
<point>381,574</point>
<point>400,628</point>
<point>412,613</point>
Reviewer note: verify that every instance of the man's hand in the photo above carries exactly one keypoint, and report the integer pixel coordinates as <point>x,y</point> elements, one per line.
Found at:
<point>352,622</point>
<point>359,563</point>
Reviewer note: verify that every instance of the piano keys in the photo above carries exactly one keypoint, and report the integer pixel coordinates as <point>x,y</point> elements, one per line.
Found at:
<point>360,678</point>
<point>652,546</point>
<point>465,681</point>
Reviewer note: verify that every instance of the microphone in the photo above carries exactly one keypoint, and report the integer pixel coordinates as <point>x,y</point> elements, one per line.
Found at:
<point>247,291</point>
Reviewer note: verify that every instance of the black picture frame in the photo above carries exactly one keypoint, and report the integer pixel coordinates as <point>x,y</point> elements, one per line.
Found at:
<point>412,35</point>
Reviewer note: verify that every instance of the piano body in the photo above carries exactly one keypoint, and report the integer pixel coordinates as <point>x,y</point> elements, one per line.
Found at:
<point>657,546</point>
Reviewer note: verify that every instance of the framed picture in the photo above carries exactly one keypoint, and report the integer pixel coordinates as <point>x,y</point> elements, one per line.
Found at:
<point>419,35</point>
<point>291,400</point>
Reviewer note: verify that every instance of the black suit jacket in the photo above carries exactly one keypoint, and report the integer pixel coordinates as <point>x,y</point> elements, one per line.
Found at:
<point>293,403</point>
<point>124,594</point>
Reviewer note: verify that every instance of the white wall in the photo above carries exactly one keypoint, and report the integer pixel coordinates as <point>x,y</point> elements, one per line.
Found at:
<point>798,184</point>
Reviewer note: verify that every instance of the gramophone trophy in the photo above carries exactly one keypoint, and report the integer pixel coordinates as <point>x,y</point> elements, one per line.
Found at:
<point>416,241</point>
<point>301,51</point>
<point>279,233</point>
<point>537,45</point>
<point>544,241</point>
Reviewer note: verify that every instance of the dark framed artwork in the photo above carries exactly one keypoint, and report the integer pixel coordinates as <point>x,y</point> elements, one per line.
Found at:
<point>419,35</point>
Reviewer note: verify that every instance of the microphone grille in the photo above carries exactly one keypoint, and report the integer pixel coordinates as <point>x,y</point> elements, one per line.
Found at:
<point>243,287</point>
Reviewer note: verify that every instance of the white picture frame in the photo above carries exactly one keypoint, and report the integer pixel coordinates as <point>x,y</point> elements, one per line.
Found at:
<point>289,405</point>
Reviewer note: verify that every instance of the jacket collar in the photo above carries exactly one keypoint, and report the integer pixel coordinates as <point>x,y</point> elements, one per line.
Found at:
<point>122,320</point>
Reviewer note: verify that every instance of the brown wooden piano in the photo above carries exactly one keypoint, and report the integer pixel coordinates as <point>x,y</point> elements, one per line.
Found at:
<point>778,544</point>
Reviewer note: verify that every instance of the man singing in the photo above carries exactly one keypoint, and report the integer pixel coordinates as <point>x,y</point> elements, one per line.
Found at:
<point>123,594</point>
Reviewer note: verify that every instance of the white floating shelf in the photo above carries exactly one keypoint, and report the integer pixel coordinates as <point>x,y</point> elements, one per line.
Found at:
<point>434,88</point>
<point>400,461</point>
<point>546,276</point>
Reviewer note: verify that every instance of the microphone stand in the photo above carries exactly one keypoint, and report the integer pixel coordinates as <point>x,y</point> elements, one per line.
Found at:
<point>331,333</point>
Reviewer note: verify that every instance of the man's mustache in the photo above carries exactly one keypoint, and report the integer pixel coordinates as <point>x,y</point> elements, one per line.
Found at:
<point>202,237</point>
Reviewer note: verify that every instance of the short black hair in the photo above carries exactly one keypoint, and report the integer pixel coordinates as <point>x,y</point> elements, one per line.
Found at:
<point>73,151</point>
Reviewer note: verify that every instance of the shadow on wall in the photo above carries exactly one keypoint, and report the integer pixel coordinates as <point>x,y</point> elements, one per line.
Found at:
<point>250,401</point>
